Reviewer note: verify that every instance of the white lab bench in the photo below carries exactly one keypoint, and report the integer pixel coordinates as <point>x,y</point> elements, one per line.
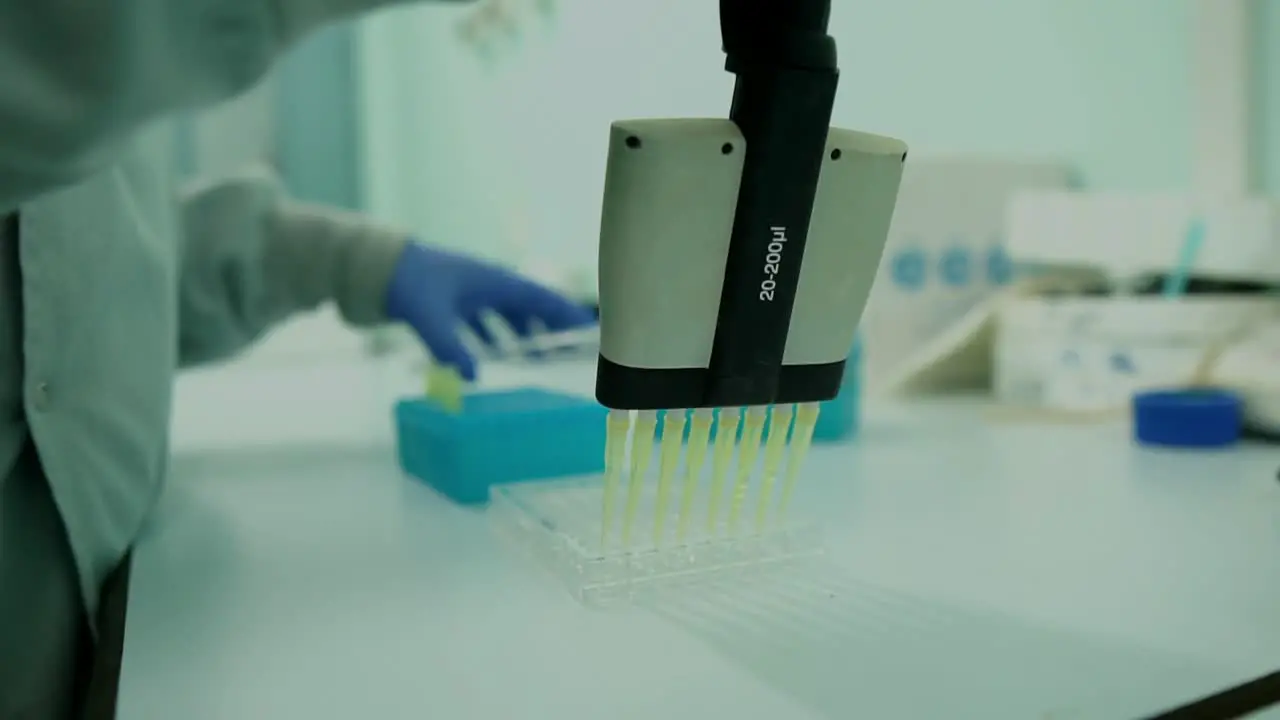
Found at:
<point>317,582</point>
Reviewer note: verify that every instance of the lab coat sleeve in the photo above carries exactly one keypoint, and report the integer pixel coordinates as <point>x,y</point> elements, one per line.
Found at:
<point>78,78</point>
<point>252,258</point>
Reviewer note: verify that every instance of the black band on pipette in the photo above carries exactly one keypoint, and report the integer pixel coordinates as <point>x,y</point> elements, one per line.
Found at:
<point>782,103</point>
<point>628,388</point>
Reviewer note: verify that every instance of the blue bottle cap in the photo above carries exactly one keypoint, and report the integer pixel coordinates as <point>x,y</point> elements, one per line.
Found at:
<point>1201,418</point>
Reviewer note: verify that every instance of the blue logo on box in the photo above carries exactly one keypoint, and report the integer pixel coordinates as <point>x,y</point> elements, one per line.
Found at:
<point>1122,362</point>
<point>999,266</point>
<point>956,268</point>
<point>909,269</point>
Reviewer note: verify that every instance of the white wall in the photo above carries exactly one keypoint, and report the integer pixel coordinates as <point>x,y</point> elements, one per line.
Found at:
<point>463,149</point>
<point>506,158</point>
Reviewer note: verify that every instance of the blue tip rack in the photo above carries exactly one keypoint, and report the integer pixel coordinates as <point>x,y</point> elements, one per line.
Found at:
<point>499,437</point>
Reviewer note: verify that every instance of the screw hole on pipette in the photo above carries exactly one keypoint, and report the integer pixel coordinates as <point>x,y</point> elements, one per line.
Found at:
<point>835,154</point>
<point>633,142</point>
<point>726,149</point>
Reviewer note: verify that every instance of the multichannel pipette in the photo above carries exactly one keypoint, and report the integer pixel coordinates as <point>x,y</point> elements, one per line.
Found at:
<point>736,256</point>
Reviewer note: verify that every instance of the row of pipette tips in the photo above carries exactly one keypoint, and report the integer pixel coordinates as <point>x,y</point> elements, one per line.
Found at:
<point>446,388</point>
<point>642,431</point>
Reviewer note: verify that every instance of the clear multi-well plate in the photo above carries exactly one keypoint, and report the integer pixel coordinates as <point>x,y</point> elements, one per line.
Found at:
<point>559,523</point>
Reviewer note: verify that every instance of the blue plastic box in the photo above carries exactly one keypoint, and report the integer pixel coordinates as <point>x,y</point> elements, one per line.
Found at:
<point>838,419</point>
<point>499,437</point>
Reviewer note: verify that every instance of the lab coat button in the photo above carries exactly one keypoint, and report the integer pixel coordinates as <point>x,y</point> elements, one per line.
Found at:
<point>40,397</point>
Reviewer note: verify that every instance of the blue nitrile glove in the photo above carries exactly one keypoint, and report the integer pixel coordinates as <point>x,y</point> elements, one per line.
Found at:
<point>438,293</point>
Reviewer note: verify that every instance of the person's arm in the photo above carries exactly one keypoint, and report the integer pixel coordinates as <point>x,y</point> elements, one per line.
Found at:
<point>77,77</point>
<point>252,258</point>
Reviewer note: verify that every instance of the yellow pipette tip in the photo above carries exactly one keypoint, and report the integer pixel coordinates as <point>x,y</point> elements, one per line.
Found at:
<point>801,439</point>
<point>673,422</point>
<point>774,448</point>
<point>748,450</point>
<point>696,455</point>
<point>721,457</point>
<point>617,426</point>
<point>641,451</point>
<point>445,387</point>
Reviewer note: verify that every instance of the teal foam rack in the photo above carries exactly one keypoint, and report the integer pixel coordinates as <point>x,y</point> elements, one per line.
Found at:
<point>499,437</point>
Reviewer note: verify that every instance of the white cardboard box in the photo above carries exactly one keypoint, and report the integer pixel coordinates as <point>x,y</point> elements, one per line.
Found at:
<point>945,255</point>
<point>1131,234</point>
<point>1094,353</point>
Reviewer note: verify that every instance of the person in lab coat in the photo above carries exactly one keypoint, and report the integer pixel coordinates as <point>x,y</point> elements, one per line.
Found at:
<point>110,282</point>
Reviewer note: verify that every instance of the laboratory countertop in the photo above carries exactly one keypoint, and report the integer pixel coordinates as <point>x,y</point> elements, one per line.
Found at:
<point>321,583</point>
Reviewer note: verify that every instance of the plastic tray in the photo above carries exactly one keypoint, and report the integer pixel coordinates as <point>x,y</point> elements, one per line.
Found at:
<point>499,437</point>
<point>558,525</point>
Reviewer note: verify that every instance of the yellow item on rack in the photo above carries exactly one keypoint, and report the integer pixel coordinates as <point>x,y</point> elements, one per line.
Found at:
<point>721,457</point>
<point>673,422</point>
<point>801,439</point>
<point>646,425</point>
<point>774,448</point>
<point>445,387</point>
<point>748,450</point>
<point>696,455</point>
<point>617,426</point>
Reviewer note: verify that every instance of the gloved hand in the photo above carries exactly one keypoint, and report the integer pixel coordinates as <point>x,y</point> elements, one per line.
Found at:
<point>438,293</point>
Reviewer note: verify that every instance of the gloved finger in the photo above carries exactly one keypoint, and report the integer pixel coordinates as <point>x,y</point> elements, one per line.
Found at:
<point>444,342</point>
<point>478,350</point>
<point>554,311</point>
<point>476,323</point>
<point>528,329</point>
<point>503,343</point>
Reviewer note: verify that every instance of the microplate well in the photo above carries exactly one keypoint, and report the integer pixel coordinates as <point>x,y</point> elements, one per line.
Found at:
<point>559,524</point>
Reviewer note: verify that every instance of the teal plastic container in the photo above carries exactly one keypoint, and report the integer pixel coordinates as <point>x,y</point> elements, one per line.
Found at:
<point>499,437</point>
<point>838,419</point>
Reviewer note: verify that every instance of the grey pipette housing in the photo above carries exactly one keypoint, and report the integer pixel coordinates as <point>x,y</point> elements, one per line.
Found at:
<point>737,254</point>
